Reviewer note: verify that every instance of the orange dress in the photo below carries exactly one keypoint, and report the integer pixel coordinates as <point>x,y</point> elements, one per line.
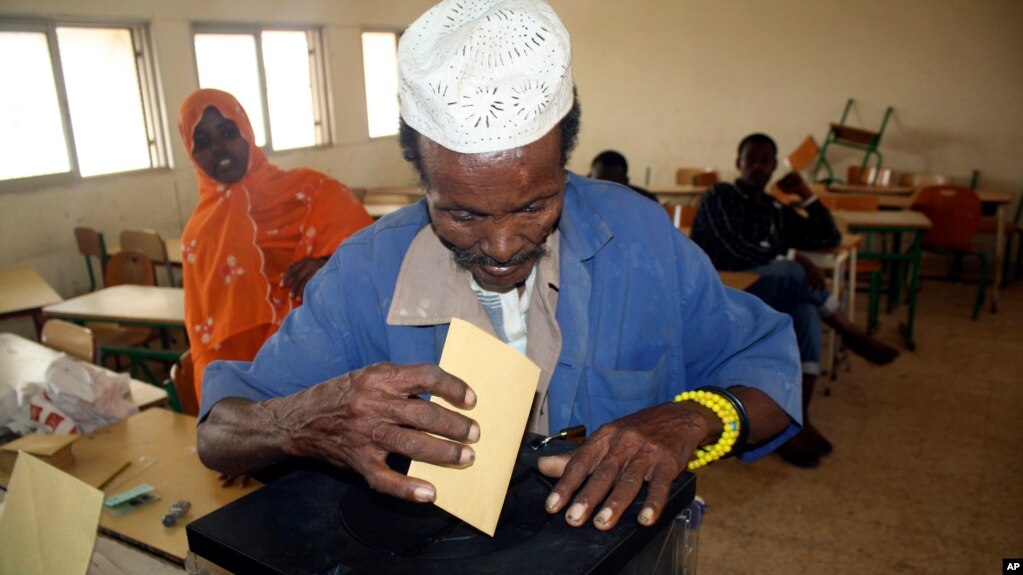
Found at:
<point>242,237</point>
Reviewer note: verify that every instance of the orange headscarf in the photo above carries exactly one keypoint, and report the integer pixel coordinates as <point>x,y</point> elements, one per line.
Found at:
<point>243,236</point>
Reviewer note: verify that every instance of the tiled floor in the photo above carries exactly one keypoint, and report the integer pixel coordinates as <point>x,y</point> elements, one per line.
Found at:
<point>927,472</point>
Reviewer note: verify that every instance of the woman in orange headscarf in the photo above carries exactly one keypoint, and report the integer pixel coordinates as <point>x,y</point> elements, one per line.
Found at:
<point>257,235</point>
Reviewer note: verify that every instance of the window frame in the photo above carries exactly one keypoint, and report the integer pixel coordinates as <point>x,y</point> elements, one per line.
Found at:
<point>318,77</point>
<point>150,97</point>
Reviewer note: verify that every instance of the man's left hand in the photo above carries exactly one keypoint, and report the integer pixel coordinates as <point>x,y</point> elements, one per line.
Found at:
<point>651,446</point>
<point>299,273</point>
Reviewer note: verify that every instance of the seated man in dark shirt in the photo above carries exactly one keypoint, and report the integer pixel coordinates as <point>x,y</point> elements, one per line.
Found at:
<point>742,228</point>
<point>611,166</point>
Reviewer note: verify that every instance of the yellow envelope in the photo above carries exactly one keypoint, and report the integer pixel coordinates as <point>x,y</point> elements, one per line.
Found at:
<point>49,520</point>
<point>505,382</point>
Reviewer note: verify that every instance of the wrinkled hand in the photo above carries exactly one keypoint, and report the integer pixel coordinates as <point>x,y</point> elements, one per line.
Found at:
<point>814,276</point>
<point>651,446</point>
<point>357,419</point>
<point>299,273</point>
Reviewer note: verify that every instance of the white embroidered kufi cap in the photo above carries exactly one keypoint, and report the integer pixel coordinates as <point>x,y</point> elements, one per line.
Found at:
<point>485,75</point>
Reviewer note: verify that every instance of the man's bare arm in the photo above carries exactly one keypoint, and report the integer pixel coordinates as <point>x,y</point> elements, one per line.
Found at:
<point>352,421</point>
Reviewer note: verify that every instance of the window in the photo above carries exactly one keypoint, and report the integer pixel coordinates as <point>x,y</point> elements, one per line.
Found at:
<point>277,75</point>
<point>380,66</point>
<point>76,100</point>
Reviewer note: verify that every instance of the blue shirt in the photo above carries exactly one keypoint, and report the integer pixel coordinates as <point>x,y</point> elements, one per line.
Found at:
<point>643,316</point>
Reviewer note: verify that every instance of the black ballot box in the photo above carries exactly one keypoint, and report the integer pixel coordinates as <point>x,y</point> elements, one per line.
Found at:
<point>327,521</point>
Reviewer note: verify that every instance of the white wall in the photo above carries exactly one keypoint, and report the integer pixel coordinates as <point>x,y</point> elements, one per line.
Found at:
<point>667,82</point>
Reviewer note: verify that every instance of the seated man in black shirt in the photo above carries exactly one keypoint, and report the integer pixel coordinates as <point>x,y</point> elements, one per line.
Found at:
<point>742,228</point>
<point>611,166</point>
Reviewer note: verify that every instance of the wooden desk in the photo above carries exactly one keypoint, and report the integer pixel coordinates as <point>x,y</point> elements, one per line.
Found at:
<point>1000,200</point>
<point>380,210</point>
<point>151,306</point>
<point>24,292</point>
<point>738,280</point>
<point>23,361</point>
<point>872,190</point>
<point>687,195</point>
<point>895,223</point>
<point>841,262</point>
<point>128,304</point>
<point>382,201</point>
<point>160,445</point>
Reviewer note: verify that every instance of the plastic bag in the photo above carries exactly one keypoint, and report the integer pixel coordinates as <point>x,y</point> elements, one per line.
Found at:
<point>90,396</point>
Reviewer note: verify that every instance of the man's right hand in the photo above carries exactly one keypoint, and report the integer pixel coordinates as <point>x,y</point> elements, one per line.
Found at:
<point>353,421</point>
<point>814,276</point>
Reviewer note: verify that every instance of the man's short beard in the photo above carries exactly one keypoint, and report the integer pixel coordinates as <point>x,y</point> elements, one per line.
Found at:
<point>469,260</point>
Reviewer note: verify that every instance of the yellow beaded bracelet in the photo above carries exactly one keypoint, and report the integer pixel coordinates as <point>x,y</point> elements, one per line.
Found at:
<point>729,420</point>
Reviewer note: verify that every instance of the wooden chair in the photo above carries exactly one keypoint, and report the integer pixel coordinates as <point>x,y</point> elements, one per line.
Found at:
<point>182,381</point>
<point>955,215</point>
<point>91,245</point>
<point>150,244</point>
<point>129,267</point>
<point>71,338</point>
<point>696,176</point>
<point>681,216</point>
<point>803,155</point>
<point>124,267</point>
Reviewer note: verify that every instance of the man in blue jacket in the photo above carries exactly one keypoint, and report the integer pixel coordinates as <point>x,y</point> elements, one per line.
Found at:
<point>589,280</point>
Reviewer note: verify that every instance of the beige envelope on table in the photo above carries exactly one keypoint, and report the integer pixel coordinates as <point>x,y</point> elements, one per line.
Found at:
<point>505,382</point>
<point>49,519</point>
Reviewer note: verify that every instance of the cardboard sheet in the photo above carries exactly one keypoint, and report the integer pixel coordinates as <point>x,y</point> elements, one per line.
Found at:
<point>49,520</point>
<point>505,382</point>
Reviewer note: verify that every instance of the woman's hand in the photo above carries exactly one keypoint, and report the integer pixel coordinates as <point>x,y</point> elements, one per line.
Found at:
<point>299,273</point>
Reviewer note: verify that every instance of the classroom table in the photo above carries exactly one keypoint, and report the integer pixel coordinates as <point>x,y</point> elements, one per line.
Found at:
<point>380,210</point>
<point>865,189</point>
<point>24,292</point>
<point>152,306</point>
<point>895,223</point>
<point>738,280</point>
<point>688,195</point>
<point>988,199</point>
<point>1000,201</point>
<point>155,447</point>
<point>384,200</point>
<point>23,361</point>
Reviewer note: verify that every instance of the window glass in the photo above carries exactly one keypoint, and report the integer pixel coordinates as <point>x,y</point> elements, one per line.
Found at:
<point>281,73</point>
<point>32,141</point>
<point>102,86</point>
<point>289,89</point>
<point>380,67</point>
<point>228,62</point>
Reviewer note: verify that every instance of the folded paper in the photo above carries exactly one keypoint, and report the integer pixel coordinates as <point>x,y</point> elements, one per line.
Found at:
<point>505,382</point>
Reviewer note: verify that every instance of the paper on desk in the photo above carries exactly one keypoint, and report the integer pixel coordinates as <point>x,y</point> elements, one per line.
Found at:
<point>49,520</point>
<point>505,382</point>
